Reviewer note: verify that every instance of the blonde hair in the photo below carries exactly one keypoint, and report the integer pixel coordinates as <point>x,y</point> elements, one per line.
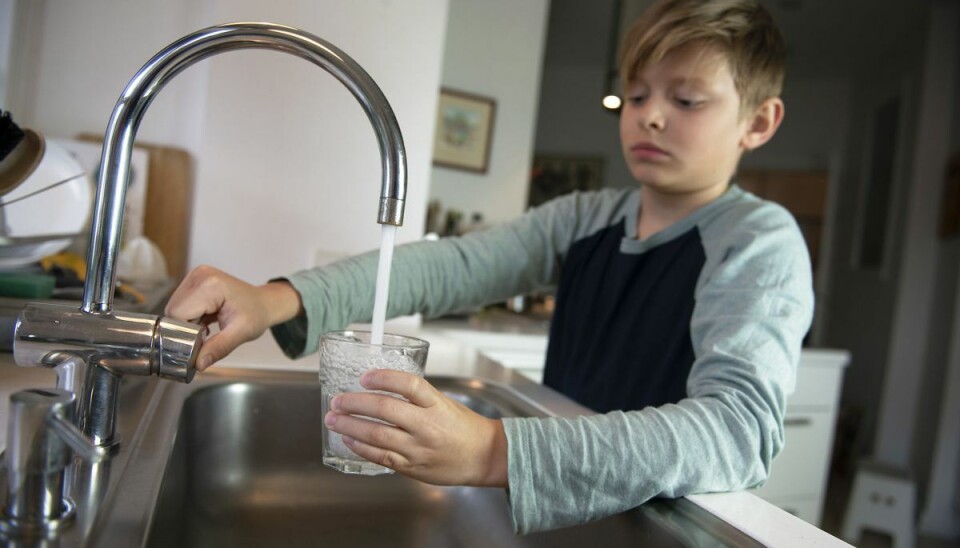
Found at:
<point>743,29</point>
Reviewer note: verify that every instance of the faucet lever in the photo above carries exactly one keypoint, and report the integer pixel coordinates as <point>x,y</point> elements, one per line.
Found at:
<point>40,438</point>
<point>73,437</point>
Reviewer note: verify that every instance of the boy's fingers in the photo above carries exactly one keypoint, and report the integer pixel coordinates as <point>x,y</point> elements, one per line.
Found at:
<point>378,406</point>
<point>217,347</point>
<point>200,293</point>
<point>375,434</point>
<point>376,455</point>
<point>414,388</point>
<point>192,307</point>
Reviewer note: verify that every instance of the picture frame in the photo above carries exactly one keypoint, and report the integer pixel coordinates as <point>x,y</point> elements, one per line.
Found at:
<point>554,175</point>
<point>950,203</point>
<point>882,175</point>
<point>464,131</point>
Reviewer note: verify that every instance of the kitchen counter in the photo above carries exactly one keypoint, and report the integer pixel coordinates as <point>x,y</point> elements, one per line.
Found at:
<point>750,514</point>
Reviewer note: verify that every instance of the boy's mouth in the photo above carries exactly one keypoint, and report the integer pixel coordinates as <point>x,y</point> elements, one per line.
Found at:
<point>647,151</point>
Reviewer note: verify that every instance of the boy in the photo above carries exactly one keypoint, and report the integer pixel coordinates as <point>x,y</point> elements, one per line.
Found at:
<point>681,306</point>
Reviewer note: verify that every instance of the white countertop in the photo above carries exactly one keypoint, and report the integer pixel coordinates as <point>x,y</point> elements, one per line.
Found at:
<point>752,515</point>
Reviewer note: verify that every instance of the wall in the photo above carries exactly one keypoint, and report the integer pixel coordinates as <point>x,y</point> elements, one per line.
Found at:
<point>292,166</point>
<point>494,48</point>
<point>861,303</point>
<point>586,131</point>
<point>278,143</point>
<point>571,120</point>
<point>896,320</point>
<point>72,60</point>
<point>6,35</point>
<point>938,139</point>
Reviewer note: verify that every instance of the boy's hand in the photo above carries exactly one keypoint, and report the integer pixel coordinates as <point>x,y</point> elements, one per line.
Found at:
<point>435,439</point>
<point>243,311</point>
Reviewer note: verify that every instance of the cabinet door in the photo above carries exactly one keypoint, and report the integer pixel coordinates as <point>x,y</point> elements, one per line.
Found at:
<point>800,470</point>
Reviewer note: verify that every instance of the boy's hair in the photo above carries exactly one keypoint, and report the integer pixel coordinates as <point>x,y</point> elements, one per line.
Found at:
<point>743,29</point>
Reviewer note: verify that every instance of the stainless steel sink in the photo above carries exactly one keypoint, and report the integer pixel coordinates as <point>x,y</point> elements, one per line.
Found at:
<point>245,470</point>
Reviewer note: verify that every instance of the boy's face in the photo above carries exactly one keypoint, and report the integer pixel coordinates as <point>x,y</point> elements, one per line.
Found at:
<point>681,129</point>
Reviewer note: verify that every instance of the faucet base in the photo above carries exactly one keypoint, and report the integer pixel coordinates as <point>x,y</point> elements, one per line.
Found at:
<point>13,528</point>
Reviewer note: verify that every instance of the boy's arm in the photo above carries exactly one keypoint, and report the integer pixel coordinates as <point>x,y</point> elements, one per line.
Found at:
<point>754,306</point>
<point>438,277</point>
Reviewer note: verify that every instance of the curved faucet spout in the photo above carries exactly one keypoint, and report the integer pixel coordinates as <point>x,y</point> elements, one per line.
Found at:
<point>133,103</point>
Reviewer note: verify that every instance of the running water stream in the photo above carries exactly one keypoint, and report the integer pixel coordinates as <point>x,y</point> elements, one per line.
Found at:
<point>387,238</point>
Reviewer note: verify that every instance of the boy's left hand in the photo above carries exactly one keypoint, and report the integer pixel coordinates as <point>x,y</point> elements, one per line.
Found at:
<point>435,439</point>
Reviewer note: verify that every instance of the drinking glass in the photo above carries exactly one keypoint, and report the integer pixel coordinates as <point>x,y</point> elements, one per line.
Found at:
<point>344,356</point>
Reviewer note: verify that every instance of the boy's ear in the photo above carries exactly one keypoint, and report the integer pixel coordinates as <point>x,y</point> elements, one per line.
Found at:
<point>763,124</point>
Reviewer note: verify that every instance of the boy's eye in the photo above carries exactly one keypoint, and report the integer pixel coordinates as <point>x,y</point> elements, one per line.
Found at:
<point>686,102</point>
<point>636,99</point>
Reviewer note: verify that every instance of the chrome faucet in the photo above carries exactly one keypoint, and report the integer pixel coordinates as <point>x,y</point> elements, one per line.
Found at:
<point>111,344</point>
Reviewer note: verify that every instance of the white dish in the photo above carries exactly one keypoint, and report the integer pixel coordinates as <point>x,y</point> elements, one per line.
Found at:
<point>15,254</point>
<point>41,217</point>
<point>46,210</point>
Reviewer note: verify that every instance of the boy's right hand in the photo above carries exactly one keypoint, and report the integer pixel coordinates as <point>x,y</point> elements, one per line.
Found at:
<point>243,311</point>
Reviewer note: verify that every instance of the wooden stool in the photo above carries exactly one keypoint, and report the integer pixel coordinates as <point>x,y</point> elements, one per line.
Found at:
<point>883,500</point>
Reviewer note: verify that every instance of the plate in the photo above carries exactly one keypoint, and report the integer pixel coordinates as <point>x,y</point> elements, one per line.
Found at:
<point>15,254</point>
<point>40,217</point>
<point>46,210</point>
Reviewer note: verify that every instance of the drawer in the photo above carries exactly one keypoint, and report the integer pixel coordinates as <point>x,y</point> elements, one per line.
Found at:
<point>800,470</point>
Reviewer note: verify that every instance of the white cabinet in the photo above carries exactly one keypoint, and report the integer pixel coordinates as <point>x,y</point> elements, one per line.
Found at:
<point>524,353</point>
<point>798,477</point>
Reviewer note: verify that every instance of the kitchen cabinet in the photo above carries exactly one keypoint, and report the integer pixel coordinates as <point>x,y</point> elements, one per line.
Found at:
<point>798,477</point>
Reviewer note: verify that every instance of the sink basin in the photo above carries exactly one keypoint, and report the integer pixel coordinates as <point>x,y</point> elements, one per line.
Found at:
<point>245,470</point>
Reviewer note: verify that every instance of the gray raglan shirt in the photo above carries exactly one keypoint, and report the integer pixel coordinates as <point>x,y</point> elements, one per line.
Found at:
<point>752,306</point>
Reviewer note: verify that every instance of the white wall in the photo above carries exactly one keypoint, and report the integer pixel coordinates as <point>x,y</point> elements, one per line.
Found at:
<point>291,164</point>
<point>897,320</point>
<point>72,60</point>
<point>494,48</point>
<point>572,121</point>
<point>6,36</point>
<point>814,127</point>
<point>286,162</point>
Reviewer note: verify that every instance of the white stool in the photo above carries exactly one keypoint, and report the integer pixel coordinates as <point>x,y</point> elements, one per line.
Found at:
<point>882,500</point>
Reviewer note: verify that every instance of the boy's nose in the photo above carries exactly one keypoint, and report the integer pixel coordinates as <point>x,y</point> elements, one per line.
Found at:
<point>651,117</point>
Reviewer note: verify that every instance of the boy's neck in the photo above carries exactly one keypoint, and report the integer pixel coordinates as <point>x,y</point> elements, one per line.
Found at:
<point>659,210</point>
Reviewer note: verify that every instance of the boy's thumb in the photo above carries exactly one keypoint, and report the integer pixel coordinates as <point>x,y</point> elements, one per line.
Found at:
<point>215,349</point>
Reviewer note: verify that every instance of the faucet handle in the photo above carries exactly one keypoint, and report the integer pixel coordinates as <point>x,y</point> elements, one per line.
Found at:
<point>41,431</point>
<point>39,442</point>
<point>125,343</point>
<point>178,344</point>
<point>31,446</point>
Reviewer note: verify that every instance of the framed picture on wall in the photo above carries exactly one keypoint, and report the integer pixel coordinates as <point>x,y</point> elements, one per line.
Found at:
<point>553,176</point>
<point>950,205</point>
<point>464,131</point>
<point>879,185</point>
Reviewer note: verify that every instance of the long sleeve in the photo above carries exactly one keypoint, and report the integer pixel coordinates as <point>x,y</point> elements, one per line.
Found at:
<point>753,306</point>
<point>434,278</point>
